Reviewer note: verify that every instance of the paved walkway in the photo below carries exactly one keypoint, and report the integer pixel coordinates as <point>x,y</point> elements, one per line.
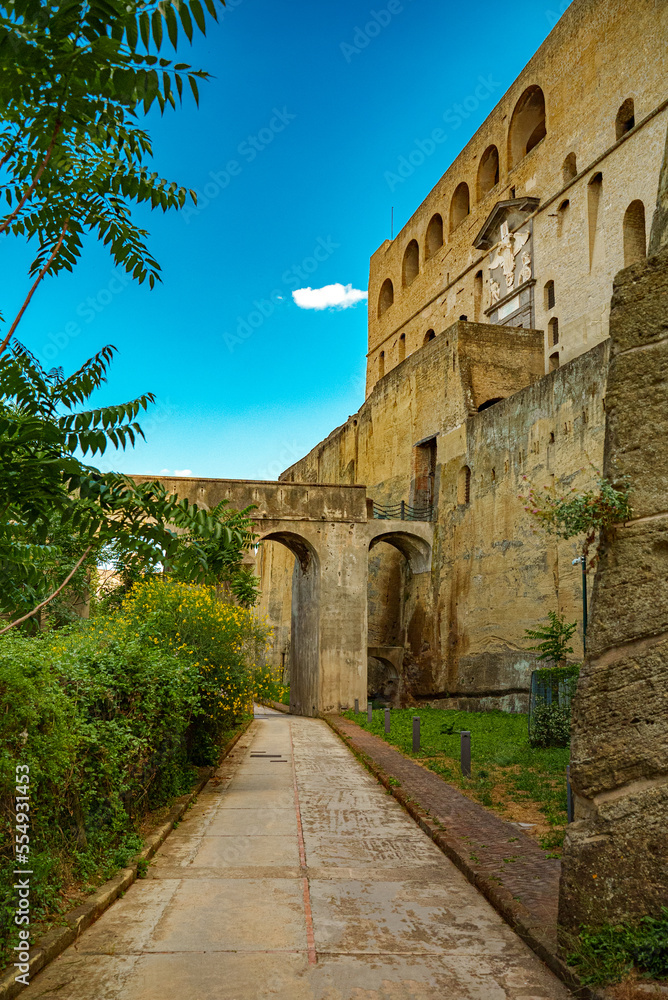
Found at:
<point>491,846</point>
<point>297,877</point>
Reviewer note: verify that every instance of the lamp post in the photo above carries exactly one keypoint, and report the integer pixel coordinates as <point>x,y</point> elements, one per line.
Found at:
<point>583,563</point>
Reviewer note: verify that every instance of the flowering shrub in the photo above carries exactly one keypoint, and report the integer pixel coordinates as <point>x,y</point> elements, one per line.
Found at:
<point>111,715</point>
<point>223,644</point>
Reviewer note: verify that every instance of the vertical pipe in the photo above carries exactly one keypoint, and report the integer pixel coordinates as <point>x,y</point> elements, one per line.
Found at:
<point>416,733</point>
<point>387,720</point>
<point>403,510</point>
<point>584,604</point>
<point>465,753</point>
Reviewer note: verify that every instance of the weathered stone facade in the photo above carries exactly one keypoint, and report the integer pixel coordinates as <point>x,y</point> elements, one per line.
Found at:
<point>483,390</point>
<point>616,852</point>
<point>592,107</point>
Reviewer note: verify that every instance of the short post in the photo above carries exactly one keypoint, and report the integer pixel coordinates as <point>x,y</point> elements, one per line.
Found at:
<point>416,733</point>
<point>357,706</point>
<point>369,712</point>
<point>569,796</point>
<point>465,753</point>
<point>403,510</point>
<point>387,720</point>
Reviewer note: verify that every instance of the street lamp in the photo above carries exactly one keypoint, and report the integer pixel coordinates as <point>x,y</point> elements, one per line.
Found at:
<point>583,562</point>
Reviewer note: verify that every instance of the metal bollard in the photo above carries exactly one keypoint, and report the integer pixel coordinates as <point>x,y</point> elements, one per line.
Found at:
<point>357,706</point>
<point>369,712</point>
<point>569,796</point>
<point>465,753</point>
<point>387,720</point>
<point>416,733</point>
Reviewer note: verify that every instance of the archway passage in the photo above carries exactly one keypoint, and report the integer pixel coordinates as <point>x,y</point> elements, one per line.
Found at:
<point>528,125</point>
<point>304,666</point>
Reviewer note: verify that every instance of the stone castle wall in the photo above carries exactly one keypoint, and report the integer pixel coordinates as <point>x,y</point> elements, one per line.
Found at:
<point>578,70</point>
<point>493,576</point>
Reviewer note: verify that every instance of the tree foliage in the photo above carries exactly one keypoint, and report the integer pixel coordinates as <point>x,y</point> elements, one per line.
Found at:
<point>74,77</point>
<point>52,503</point>
<point>554,638</point>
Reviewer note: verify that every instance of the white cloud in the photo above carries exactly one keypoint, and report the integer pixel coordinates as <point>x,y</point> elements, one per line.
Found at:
<point>330,297</point>
<point>177,472</point>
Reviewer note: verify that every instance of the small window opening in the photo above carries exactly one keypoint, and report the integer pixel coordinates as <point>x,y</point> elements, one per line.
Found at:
<point>551,437</point>
<point>381,364</point>
<point>402,347</point>
<point>635,236</point>
<point>464,486</point>
<point>550,299</point>
<point>477,296</point>
<point>527,126</point>
<point>570,168</point>
<point>434,240</point>
<point>553,331</point>
<point>594,191</point>
<point>386,297</point>
<point>554,361</point>
<point>429,335</point>
<point>626,118</point>
<point>460,206</point>
<point>488,171</point>
<point>411,267</point>
<point>489,402</point>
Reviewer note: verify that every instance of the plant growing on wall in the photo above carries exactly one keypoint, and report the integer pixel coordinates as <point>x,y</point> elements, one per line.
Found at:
<point>568,514</point>
<point>553,638</point>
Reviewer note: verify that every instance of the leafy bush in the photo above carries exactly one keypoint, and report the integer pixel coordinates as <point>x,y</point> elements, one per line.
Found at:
<point>610,954</point>
<point>111,716</point>
<point>550,726</point>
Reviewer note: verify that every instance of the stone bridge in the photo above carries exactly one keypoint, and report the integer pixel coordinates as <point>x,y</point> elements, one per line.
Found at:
<point>330,530</point>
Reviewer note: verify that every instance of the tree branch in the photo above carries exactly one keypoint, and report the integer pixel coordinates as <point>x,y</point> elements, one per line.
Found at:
<point>8,221</point>
<point>41,274</point>
<point>39,607</point>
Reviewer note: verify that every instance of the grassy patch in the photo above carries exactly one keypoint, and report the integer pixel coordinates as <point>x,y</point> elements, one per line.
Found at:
<point>521,783</point>
<point>612,953</point>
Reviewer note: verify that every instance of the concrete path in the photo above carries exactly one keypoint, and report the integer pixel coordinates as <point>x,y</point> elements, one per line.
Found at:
<point>297,877</point>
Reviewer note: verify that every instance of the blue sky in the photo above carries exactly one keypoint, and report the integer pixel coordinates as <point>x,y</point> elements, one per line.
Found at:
<point>295,153</point>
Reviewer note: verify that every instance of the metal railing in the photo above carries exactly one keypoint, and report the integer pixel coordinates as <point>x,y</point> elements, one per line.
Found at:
<point>402,512</point>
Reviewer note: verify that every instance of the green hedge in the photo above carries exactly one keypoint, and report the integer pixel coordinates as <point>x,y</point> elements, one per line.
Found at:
<point>112,716</point>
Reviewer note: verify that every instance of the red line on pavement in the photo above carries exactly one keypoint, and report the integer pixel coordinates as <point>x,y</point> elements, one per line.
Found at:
<point>308,914</point>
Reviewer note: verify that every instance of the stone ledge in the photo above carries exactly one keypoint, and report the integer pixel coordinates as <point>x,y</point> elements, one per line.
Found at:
<point>58,939</point>
<point>512,910</point>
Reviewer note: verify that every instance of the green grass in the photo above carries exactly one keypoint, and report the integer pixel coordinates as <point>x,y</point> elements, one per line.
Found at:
<point>508,775</point>
<point>610,954</point>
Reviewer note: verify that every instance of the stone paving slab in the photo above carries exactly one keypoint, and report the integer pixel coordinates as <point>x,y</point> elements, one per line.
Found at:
<point>334,894</point>
<point>493,847</point>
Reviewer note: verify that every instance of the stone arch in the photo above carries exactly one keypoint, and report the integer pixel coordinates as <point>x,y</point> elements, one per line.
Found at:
<point>635,236</point>
<point>411,266</point>
<point>434,239</point>
<point>305,626</point>
<point>488,171</point>
<point>414,544</point>
<point>626,118</point>
<point>386,297</point>
<point>460,206</point>
<point>527,125</point>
